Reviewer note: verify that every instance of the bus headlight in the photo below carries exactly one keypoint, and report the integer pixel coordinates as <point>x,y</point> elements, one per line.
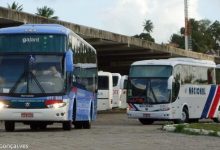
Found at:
<point>3,105</point>
<point>55,103</point>
<point>164,107</point>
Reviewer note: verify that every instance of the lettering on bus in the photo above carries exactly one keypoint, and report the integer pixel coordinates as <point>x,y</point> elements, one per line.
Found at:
<point>197,91</point>
<point>30,40</point>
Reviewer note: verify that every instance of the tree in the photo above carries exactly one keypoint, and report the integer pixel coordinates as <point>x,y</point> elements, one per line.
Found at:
<point>15,6</point>
<point>148,26</point>
<point>145,36</point>
<point>205,35</point>
<point>46,12</point>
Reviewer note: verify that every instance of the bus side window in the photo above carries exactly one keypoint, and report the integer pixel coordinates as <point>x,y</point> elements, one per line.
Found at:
<point>217,75</point>
<point>210,73</point>
<point>176,87</point>
<point>176,82</point>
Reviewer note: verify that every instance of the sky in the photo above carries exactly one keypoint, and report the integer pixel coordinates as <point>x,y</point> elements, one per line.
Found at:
<point>127,16</point>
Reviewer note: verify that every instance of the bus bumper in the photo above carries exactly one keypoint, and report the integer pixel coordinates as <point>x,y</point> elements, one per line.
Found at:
<point>47,114</point>
<point>165,115</point>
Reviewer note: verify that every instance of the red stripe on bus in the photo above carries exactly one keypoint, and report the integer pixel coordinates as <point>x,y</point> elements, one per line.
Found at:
<point>215,103</point>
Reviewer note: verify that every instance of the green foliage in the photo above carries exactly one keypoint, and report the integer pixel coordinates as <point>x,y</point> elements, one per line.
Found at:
<point>15,6</point>
<point>46,12</point>
<point>206,126</point>
<point>145,36</point>
<point>179,128</point>
<point>213,133</point>
<point>148,27</point>
<point>205,35</point>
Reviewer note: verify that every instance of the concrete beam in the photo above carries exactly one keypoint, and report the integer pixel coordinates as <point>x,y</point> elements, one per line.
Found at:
<point>96,33</point>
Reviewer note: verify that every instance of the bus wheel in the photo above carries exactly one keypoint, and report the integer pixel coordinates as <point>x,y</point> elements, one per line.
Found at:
<point>78,124</point>
<point>146,121</point>
<point>43,126</point>
<point>193,120</point>
<point>67,125</point>
<point>9,126</point>
<point>184,117</point>
<point>216,120</point>
<point>86,124</point>
<point>33,126</point>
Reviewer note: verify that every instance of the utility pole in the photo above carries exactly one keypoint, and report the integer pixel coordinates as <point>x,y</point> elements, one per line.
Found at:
<point>188,40</point>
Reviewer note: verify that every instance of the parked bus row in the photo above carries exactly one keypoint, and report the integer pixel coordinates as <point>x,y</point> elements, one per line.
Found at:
<point>111,90</point>
<point>176,89</point>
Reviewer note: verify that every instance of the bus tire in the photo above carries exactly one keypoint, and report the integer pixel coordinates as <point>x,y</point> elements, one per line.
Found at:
<point>216,120</point>
<point>86,124</point>
<point>146,121</point>
<point>78,124</point>
<point>43,126</point>
<point>184,116</point>
<point>74,111</point>
<point>34,126</point>
<point>67,125</point>
<point>193,120</point>
<point>9,126</point>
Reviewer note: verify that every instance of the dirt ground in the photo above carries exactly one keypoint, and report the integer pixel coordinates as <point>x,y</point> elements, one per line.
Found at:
<point>110,132</point>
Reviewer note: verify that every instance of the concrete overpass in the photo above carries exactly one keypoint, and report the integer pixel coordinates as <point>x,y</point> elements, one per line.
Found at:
<point>115,52</point>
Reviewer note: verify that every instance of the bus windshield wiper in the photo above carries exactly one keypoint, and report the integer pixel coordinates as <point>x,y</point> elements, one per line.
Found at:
<point>149,88</point>
<point>37,82</point>
<point>17,82</point>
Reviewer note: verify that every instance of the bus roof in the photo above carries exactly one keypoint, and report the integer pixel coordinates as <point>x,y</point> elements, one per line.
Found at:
<point>176,61</point>
<point>103,73</point>
<point>36,28</point>
<point>218,66</point>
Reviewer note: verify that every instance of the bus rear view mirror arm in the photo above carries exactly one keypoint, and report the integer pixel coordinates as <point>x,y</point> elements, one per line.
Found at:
<point>169,84</point>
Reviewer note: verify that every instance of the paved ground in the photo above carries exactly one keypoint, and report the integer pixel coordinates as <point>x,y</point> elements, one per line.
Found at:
<point>109,132</point>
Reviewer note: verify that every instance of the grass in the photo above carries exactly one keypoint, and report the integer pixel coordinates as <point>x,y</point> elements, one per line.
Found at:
<point>206,126</point>
<point>213,127</point>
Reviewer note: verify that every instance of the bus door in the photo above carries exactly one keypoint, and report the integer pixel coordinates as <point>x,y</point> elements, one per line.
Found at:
<point>123,87</point>
<point>116,90</point>
<point>105,90</point>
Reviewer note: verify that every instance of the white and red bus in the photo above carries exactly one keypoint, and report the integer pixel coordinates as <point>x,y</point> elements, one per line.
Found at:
<point>123,87</point>
<point>116,90</point>
<point>178,89</point>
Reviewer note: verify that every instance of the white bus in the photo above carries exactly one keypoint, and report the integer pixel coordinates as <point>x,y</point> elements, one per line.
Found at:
<point>123,87</point>
<point>105,91</point>
<point>116,90</point>
<point>178,89</point>
<point>217,74</point>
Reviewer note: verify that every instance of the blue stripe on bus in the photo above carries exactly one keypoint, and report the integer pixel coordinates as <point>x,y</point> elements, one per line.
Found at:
<point>208,101</point>
<point>136,109</point>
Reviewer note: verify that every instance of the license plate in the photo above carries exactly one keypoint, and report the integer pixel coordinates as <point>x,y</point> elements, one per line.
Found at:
<point>146,115</point>
<point>27,115</point>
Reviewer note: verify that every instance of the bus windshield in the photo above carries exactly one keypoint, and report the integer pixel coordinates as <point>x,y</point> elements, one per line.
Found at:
<point>152,90</point>
<point>32,43</point>
<point>103,82</point>
<point>115,80</point>
<point>150,71</point>
<point>31,74</point>
<point>149,83</point>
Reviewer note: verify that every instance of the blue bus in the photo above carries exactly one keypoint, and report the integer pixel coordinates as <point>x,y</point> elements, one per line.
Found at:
<point>47,74</point>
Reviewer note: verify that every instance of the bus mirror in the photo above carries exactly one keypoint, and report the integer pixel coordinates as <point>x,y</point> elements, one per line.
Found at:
<point>169,84</point>
<point>69,61</point>
<point>74,79</point>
